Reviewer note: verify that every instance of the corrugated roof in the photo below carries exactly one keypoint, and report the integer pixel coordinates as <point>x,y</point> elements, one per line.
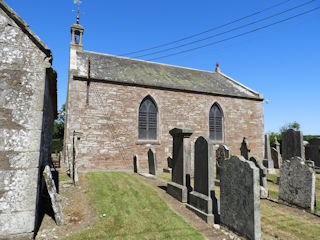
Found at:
<point>120,69</point>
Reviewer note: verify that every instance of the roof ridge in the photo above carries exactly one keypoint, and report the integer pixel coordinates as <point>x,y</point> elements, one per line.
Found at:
<point>25,28</point>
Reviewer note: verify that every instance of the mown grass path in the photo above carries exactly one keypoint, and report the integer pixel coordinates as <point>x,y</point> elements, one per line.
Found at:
<point>133,210</point>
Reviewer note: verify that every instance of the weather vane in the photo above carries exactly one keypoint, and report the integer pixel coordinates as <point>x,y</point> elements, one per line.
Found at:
<point>78,2</point>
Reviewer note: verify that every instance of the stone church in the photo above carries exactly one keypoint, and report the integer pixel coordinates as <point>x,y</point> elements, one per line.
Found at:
<point>118,107</point>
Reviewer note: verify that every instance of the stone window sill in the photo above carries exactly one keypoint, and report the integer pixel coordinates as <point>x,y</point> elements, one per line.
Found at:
<point>145,142</point>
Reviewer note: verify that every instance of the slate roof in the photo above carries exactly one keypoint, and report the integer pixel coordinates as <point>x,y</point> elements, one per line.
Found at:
<point>133,71</point>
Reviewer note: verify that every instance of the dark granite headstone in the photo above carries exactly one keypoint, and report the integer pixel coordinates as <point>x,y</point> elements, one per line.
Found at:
<point>244,149</point>
<point>222,153</point>
<point>135,164</point>
<point>276,157</point>
<point>292,144</point>
<point>313,151</point>
<point>240,197</point>
<point>177,188</point>
<point>152,162</point>
<point>202,197</point>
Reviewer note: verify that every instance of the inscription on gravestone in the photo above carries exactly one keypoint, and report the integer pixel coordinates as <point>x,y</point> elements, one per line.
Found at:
<point>240,197</point>
<point>202,197</point>
<point>292,144</point>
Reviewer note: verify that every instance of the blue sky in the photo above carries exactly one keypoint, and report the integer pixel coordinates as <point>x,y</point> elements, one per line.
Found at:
<point>281,62</point>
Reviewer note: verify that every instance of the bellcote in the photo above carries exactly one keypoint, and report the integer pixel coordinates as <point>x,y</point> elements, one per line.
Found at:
<point>76,35</point>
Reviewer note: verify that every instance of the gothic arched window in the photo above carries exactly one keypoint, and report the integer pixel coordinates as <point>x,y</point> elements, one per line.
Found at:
<point>148,116</point>
<point>216,123</point>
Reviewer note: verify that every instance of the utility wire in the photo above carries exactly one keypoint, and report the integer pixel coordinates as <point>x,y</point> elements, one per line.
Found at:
<point>239,35</point>
<point>206,31</point>
<point>225,32</point>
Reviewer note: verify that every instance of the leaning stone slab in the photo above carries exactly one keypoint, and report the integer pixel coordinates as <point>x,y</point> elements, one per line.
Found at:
<point>177,187</point>
<point>292,144</point>
<point>54,196</point>
<point>202,197</point>
<point>297,183</point>
<point>240,197</point>
<point>152,160</point>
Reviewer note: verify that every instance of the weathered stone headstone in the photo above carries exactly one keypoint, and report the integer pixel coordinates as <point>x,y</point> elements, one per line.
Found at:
<point>276,157</point>
<point>262,176</point>
<point>135,164</point>
<point>202,197</point>
<point>152,162</point>
<point>297,183</point>
<point>244,149</point>
<point>313,151</point>
<point>292,144</point>
<point>54,196</point>
<point>76,139</point>
<point>177,188</point>
<point>222,153</point>
<point>240,197</point>
<point>268,162</point>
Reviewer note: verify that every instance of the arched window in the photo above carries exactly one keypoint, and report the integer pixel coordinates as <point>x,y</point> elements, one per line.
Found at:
<point>216,123</point>
<point>148,116</point>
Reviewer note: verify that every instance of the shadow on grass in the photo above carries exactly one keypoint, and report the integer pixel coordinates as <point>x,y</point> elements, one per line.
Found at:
<point>164,188</point>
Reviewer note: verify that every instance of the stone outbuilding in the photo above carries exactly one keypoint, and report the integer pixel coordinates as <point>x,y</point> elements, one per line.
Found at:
<point>28,103</point>
<point>124,106</point>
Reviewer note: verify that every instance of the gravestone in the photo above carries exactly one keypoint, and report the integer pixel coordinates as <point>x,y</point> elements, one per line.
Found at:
<point>75,152</point>
<point>240,197</point>
<point>188,149</point>
<point>262,176</point>
<point>268,162</point>
<point>202,198</point>
<point>169,168</point>
<point>54,196</point>
<point>244,149</point>
<point>152,161</point>
<point>276,157</point>
<point>222,153</point>
<point>135,164</point>
<point>178,185</point>
<point>292,144</point>
<point>297,184</point>
<point>313,151</point>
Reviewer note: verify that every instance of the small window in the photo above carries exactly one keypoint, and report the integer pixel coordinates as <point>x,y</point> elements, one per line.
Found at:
<point>148,116</point>
<point>216,123</point>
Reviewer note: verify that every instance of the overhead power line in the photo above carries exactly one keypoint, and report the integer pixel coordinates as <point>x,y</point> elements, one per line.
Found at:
<point>239,35</point>
<point>225,32</point>
<point>206,31</point>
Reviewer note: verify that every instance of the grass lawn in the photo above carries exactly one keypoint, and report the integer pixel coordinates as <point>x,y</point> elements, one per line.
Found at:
<point>133,211</point>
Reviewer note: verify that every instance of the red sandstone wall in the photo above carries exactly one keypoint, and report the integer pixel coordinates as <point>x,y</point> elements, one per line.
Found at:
<point>110,135</point>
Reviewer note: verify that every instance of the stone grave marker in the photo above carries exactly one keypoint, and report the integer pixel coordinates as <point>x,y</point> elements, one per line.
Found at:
<point>178,187</point>
<point>240,197</point>
<point>135,163</point>
<point>222,153</point>
<point>202,198</point>
<point>276,157</point>
<point>268,162</point>
<point>54,196</point>
<point>313,151</point>
<point>244,149</point>
<point>152,162</point>
<point>262,176</point>
<point>292,144</point>
<point>297,183</point>
<point>169,163</point>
